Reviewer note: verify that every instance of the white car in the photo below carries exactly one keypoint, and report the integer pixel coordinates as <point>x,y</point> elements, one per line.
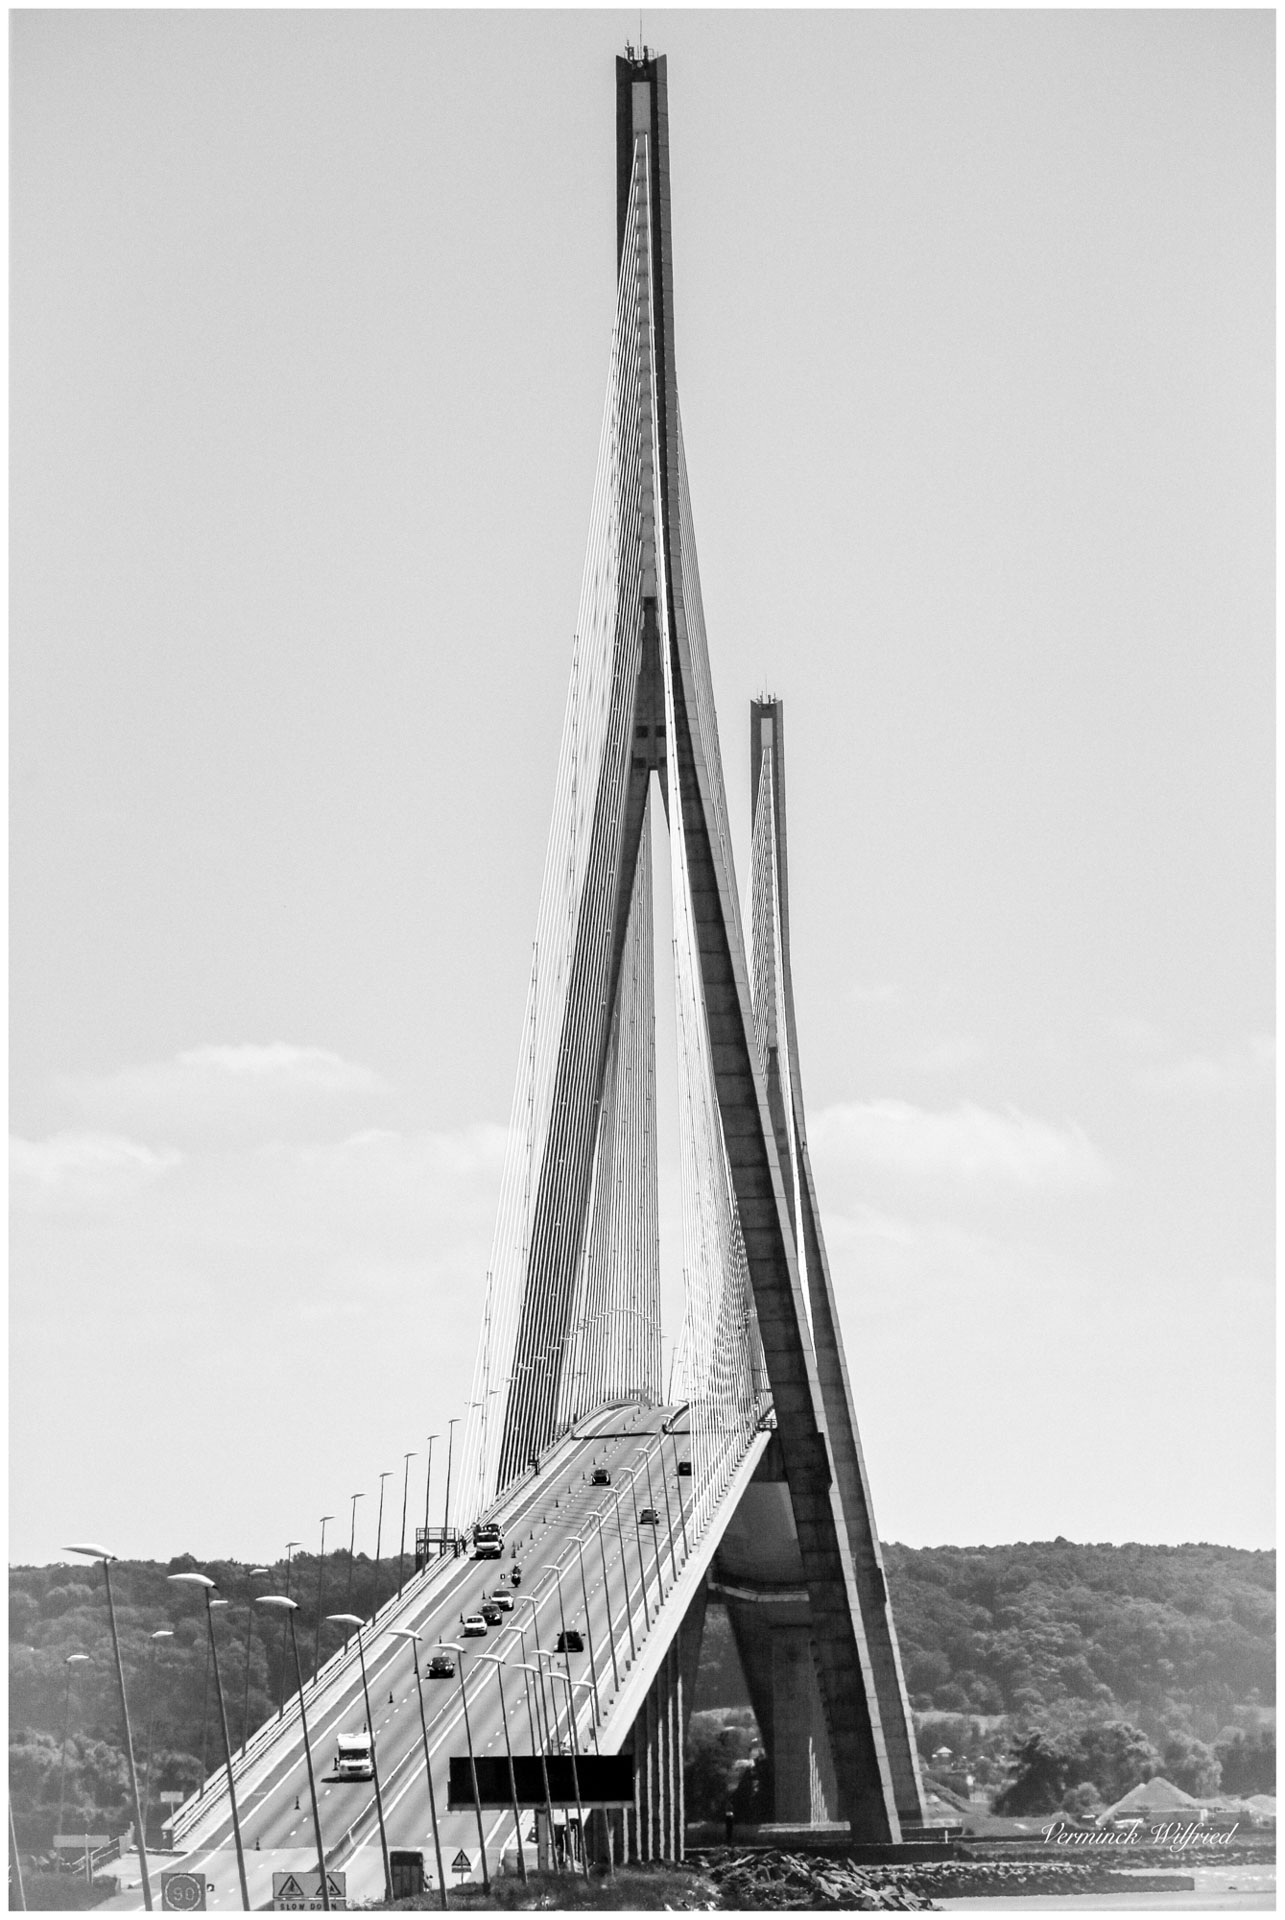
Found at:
<point>474,1625</point>
<point>502,1599</point>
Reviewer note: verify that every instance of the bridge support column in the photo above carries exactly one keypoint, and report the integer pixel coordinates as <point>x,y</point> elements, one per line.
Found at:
<point>803,1784</point>
<point>657,1742</point>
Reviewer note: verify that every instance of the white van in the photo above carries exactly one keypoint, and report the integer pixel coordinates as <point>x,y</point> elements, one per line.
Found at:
<point>355,1756</point>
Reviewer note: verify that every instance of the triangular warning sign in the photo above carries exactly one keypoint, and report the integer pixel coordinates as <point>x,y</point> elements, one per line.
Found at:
<point>336,1884</point>
<point>289,1888</point>
<point>461,1863</point>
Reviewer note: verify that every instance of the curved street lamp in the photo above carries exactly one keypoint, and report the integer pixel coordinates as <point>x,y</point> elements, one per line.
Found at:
<point>456,1648</point>
<point>101,1553</point>
<point>428,1488</point>
<point>498,1661</point>
<point>290,1608</point>
<point>354,1621</point>
<point>555,1673</point>
<point>72,1660</point>
<point>290,1547</point>
<point>352,1542</point>
<point>255,1573</point>
<point>162,1633</point>
<point>321,1575</point>
<point>406,1633</point>
<point>207,1585</point>
<point>379,1526</point>
<point>401,1553</point>
<point>538,1742</point>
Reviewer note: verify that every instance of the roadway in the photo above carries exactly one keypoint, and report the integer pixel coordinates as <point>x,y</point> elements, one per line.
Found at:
<point>540,1524</point>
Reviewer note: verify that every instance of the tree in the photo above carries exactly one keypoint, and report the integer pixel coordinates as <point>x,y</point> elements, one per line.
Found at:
<point>1248,1761</point>
<point>1110,1755</point>
<point>1116,1756</point>
<point>1191,1765</point>
<point>1082,1802</point>
<point>1043,1766</point>
<point>97,1785</point>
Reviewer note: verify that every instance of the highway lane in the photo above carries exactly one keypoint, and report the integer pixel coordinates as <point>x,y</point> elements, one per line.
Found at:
<point>273,1799</point>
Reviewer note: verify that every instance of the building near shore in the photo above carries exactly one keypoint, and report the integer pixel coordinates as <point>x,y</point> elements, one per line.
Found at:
<point>1152,1801</point>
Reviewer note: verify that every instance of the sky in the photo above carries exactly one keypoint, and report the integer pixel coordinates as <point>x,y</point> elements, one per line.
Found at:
<point>309,329</point>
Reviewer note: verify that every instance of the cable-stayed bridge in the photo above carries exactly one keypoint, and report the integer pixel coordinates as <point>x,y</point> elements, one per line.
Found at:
<point>627,1500</point>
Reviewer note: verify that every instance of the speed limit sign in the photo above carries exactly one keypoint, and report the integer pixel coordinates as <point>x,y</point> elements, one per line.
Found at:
<point>183,1892</point>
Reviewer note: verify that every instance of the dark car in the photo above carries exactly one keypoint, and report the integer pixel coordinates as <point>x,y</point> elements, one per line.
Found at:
<point>649,1517</point>
<point>600,1477</point>
<point>441,1667</point>
<point>685,1467</point>
<point>490,1613</point>
<point>572,1641</point>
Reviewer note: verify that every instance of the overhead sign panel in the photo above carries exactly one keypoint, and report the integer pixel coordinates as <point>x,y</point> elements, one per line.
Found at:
<point>604,1780</point>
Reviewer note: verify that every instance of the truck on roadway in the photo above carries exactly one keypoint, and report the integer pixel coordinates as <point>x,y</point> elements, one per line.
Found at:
<point>354,1757</point>
<point>488,1541</point>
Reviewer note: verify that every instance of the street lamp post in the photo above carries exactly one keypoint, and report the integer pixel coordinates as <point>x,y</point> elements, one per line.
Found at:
<point>321,1576</point>
<point>624,1577</point>
<point>100,1553</point>
<point>655,1539</point>
<point>552,1567</point>
<point>72,1660</point>
<point>401,1556</point>
<point>457,1648</point>
<point>290,1547</point>
<point>428,1488</point>
<point>642,1559</point>
<point>353,1620</point>
<point>352,1542</point>
<point>593,1664</point>
<point>162,1633</point>
<point>450,1454</point>
<point>207,1585</point>
<point>682,1511</point>
<point>606,1594</point>
<point>379,1528</point>
<point>541,1743</point>
<point>255,1573</point>
<point>575,1753</point>
<point>406,1633</point>
<point>669,1511</point>
<point>497,1659</point>
<point>290,1608</point>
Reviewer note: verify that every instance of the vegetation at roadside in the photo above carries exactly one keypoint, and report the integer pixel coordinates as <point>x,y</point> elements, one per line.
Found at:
<point>1054,1673</point>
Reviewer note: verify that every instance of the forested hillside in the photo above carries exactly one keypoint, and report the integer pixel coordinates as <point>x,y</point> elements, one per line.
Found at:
<point>999,1644</point>
<point>1170,1636</point>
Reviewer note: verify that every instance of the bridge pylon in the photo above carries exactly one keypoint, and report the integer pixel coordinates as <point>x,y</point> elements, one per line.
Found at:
<point>573,1300</point>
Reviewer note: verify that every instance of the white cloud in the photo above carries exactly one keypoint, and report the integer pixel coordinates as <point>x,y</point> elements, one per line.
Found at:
<point>325,1297</point>
<point>1238,1069</point>
<point>967,1146</point>
<point>78,1170</point>
<point>227,1092</point>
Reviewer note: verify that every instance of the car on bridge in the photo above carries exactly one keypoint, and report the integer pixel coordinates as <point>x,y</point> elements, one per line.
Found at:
<point>473,1625</point>
<point>572,1641</point>
<point>685,1468</point>
<point>649,1517</point>
<point>600,1477</point>
<point>441,1667</point>
<point>503,1599</point>
<point>491,1613</point>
